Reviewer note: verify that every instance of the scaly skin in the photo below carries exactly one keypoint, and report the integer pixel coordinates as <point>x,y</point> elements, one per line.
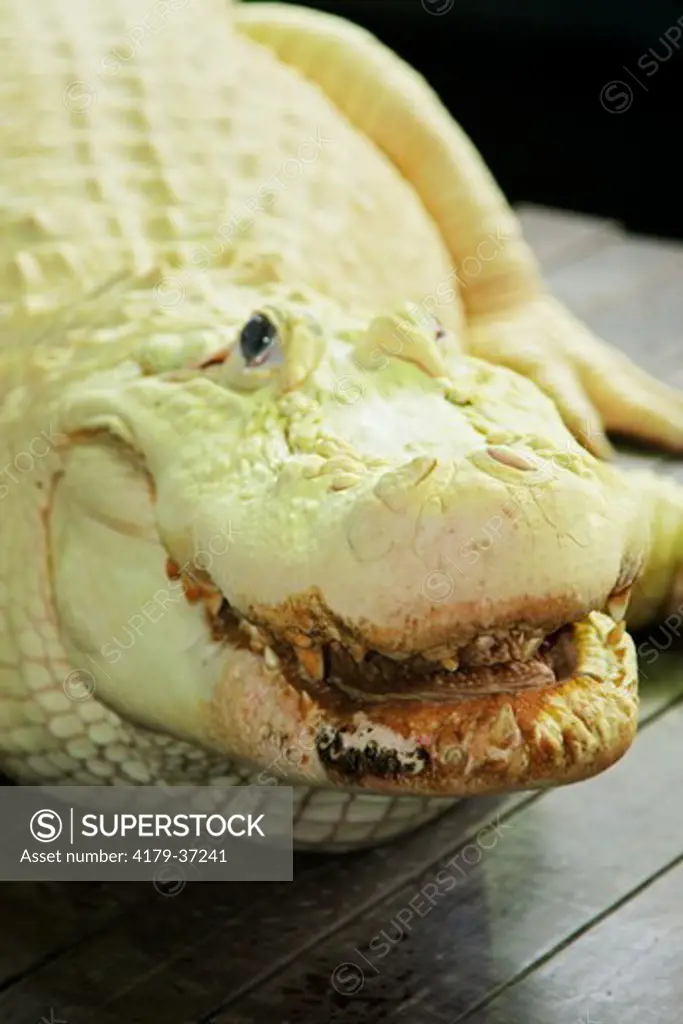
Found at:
<point>200,550</point>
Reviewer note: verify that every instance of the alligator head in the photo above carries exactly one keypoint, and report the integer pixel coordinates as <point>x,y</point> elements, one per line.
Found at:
<point>332,546</point>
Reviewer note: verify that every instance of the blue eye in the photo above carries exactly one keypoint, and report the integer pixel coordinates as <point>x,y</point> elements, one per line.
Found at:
<point>256,339</point>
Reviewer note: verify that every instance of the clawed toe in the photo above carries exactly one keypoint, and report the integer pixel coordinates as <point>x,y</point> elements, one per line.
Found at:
<point>595,387</point>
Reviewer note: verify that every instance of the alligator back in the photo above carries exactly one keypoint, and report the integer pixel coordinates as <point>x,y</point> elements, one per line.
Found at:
<point>131,138</point>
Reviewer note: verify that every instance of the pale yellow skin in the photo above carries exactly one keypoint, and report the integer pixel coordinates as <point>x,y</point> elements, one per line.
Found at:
<point>163,181</point>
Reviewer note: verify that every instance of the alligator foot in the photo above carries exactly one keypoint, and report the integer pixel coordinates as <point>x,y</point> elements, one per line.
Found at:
<point>595,387</point>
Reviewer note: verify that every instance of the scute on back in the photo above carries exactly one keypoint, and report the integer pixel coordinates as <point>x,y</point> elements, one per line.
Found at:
<point>256,170</point>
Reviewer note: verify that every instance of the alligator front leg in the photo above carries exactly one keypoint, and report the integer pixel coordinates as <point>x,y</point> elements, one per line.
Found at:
<point>595,386</point>
<point>512,318</point>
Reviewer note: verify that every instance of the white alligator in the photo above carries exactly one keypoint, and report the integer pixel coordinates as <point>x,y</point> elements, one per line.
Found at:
<point>275,504</point>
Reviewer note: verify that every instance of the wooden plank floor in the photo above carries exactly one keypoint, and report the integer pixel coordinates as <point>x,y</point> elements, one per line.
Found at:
<point>567,908</point>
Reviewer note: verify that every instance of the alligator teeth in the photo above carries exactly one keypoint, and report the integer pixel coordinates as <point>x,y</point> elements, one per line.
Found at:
<point>616,632</point>
<point>306,704</point>
<point>528,648</point>
<point>270,657</point>
<point>298,639</point>
<point>484,643</point>
<point>256,641</point>
<point>213,603</point>
<point>312,662</point>
<point>441,654</point>
<point>172,569</point>
<point>357,652</point>
<point>617,603</point>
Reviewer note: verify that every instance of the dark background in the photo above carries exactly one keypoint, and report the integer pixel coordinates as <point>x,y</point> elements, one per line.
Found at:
<point>525,80</point>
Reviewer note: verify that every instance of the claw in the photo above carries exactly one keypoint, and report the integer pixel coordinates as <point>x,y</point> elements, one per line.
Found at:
<point>594,386</point>
<point>312,662</point>
<point>629,400</point>
<point>632,402</point>
<point>357,652</point>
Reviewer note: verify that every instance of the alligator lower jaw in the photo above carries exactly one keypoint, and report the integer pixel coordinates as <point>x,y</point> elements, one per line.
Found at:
<point>564,715</point>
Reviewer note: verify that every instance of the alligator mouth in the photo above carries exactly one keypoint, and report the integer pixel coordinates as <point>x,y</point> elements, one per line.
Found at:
<point>517,711</point>
<point>514,662</point>
<point>511,660</point>
<point>378,677</point>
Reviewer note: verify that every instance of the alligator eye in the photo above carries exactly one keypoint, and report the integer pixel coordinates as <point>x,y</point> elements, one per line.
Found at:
<point>439,330</point>
<point>256,339</point>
